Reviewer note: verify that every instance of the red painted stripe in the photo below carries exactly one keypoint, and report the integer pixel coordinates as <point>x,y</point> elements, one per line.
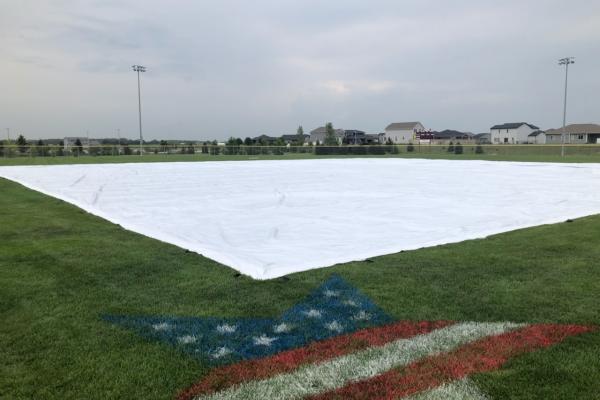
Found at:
<point>483,355</point>
<point>224,377</point>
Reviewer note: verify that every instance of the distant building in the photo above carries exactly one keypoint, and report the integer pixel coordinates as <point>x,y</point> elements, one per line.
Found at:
<point>450,135</point>
<point>575,134</point>
<point>293,139</point>
<point>318,135</point>
<point>85,142</point>
<point>483,138</point>
<point>403,132</point>
<point>537,137</point>
<point>512,133</point>
<point>265,140</point>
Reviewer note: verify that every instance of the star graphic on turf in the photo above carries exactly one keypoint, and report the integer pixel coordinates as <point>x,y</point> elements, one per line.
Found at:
<point>332,309</point>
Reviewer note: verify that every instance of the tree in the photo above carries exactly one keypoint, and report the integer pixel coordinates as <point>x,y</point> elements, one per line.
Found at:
<point>451,147</point>
<point>300,136</point>
<point>79,146</point>
<point>248,141</point>
<point>22,143</point>
<point>40,150</point>
<point>330,138</point>
<point>410,148</point>
<point>458,149</point>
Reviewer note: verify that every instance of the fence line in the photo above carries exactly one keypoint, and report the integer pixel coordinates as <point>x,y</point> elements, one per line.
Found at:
<point>13,150</point>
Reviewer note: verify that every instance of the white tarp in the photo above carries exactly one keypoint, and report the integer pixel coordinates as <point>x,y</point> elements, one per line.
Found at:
<point>271,218</point>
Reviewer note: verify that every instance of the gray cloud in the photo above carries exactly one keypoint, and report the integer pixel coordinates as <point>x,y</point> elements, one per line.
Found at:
<point>221,68</point>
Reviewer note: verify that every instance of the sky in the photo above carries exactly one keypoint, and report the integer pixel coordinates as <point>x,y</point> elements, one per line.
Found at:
<point>225,68</point>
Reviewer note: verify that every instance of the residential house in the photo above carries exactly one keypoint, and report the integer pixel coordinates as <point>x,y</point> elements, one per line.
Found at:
<point>511,133</point>
<point>403,132</point>
<point>293,139</point>
<point>449,135</point>
<point>575,134</point>
<point>483,138</point>
<point>265,140</point>
<point>537,137</point>
<point>85,142</point>
<point>318,135</point>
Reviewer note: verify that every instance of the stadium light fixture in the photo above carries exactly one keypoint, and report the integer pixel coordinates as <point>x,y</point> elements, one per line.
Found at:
<point>566,62</point>
<point>138,69</point>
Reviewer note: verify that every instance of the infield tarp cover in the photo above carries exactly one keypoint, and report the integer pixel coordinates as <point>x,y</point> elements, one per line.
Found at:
<point>271,218</point>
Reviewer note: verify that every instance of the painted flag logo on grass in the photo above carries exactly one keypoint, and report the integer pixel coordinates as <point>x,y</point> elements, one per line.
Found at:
<point>337,344</point>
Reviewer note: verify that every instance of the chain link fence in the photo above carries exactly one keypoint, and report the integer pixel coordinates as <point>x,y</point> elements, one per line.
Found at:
<point>205,150</point>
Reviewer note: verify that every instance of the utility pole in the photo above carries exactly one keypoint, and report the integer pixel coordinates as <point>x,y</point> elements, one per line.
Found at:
<point>138,69</point>
<point>119,141</point>
<point>566,62</point>
<point>7,143</point>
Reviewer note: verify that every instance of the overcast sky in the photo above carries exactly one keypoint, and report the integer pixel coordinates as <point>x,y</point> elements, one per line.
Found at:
<point>243,68</point>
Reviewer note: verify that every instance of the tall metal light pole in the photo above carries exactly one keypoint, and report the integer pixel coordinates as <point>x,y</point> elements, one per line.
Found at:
<point>565,61</point>
<point>138,69</point>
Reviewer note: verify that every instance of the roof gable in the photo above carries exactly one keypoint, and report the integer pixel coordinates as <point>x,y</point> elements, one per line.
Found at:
<point>401,126</point>
<point>513,125</point>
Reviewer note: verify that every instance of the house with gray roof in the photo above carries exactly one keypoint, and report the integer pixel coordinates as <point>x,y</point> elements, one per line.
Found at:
<point>318,135</point>
<point>575,134</point>
<point>537,137</point>
<point>511,133</point>
<point>403,132</point>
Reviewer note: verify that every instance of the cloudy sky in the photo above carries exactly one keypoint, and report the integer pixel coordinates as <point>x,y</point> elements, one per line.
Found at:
<point>241,68</point>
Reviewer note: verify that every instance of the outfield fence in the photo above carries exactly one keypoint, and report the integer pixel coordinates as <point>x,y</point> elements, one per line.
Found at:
<point>16,151</point>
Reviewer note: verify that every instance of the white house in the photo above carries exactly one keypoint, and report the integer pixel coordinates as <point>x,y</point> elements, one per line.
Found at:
<point>403,132</point>
<point>537,137</point>
<point>512,133</point>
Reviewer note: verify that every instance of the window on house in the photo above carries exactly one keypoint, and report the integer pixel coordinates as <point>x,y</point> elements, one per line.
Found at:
<point>580,137</point>
<point>505,140</point>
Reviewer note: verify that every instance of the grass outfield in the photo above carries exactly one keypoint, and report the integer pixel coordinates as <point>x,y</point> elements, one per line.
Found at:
<point>61,268</point>
<point>527,157</point>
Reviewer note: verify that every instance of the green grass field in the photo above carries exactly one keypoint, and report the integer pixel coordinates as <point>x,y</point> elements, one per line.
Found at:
<point>61,269</point>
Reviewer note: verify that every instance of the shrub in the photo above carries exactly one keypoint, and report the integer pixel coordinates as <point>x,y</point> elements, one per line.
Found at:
<point>479,149</point>
<point>410,148</point>
<point>451,147</point>
<point>376,150</point>
<point>458,149</point>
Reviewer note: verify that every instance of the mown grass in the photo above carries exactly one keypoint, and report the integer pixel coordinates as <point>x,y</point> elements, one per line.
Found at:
<point>61,269</point>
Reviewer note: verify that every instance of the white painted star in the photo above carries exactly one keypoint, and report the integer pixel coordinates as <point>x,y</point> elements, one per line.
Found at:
<point>264,340</point>
<point>334,326</point>
<point>220,352</point>
<point>313,313</point>
<point>226,328</point>
<point>282,328</point>
<point>361,316</point>
<point>163,326</point>
<point>187,339</point>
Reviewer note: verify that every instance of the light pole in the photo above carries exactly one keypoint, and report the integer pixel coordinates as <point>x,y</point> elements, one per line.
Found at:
<point>7,142</point>
<point>138,69</point>
<point>565,61</point>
